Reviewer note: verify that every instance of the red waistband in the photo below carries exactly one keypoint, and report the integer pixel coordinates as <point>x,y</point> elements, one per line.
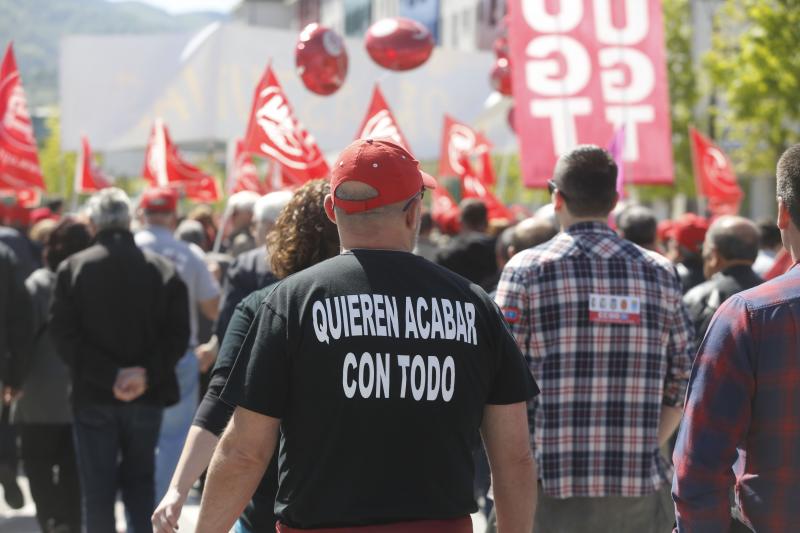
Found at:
<point>454,525</point>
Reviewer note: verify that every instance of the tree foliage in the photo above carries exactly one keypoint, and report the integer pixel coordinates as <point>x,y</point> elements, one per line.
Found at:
<point>755,66</point>
<point>58,167</point>
<point>683,88</point>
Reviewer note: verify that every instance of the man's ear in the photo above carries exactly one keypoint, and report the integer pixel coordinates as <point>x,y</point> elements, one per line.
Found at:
<point>558,200</point>
<point>784,219</point>
<point>329,208</point>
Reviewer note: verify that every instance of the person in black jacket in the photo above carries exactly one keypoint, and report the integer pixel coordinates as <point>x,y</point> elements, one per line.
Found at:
<point>729,251</point>
<point>471,253</point>
<point>120,321</point>
<point>16,334</point>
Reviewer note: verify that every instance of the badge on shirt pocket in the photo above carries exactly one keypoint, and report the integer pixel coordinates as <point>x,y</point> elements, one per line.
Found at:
<point>607,309</point>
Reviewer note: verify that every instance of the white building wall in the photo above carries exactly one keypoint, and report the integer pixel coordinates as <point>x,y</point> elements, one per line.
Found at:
<point>271,13</point>
<point>332,15</point>
<point>459,24</point>
<point>384,8</point>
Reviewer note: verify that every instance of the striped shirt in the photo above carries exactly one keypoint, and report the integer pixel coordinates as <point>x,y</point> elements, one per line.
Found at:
<point>602,325</point>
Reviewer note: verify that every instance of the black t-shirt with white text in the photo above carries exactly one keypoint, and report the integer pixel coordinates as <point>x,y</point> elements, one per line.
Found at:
<point>379,365</point>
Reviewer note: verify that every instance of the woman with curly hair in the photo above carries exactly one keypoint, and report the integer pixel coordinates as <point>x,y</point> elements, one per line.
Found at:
<point>302,236</point>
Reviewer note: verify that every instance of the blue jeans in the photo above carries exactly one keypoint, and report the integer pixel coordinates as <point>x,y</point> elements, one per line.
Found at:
<point>115,447</point>
<point>177,421</point>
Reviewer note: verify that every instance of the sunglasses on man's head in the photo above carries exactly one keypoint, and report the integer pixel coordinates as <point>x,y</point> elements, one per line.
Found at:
<point>552,186</point>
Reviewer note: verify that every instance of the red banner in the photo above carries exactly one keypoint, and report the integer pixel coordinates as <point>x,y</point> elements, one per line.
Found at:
<point>445,211</point>
<point>380,122</point>
<point>19,162</point>
<point>164,167</point>
<point>460,141</point>
<point>275,132</point>
<point>714,175</point>
<point>583,69</point>
<point>245,174</point>
<point>88,178</point>
<point>472,187</point>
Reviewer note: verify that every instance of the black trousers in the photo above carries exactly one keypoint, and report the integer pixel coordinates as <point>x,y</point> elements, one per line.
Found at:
<point>48,454</point>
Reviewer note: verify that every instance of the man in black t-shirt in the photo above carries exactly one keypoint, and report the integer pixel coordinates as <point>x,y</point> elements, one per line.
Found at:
<point>378,367</point>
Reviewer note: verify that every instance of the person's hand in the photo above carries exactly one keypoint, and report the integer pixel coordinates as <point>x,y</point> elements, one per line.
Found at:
<point>165,518</point>
<point>10,394</point>
<point>207,354</point>
<point>130,384</point>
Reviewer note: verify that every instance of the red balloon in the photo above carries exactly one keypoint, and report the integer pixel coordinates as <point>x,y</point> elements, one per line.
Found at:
<point>501,77</point>
<point>321,59</point>
<point>511,119</point>
<point>399,43</point>
<point>501,48</point>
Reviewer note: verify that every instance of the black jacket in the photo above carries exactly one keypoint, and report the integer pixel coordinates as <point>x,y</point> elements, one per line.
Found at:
<point>16,319</point>
<point>117,306</point>
<point>249,272</point>
<point>470,255</point>
<point>703,300</point>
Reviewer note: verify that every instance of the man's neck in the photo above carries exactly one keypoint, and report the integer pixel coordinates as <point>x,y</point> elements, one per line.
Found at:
<point>568,221</point>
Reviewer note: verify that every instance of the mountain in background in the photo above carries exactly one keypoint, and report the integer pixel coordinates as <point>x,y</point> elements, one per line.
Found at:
<point>37,26</point>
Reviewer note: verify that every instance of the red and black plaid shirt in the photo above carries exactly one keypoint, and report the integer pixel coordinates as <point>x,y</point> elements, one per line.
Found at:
<point>741,425</point>
<point>602,325</point>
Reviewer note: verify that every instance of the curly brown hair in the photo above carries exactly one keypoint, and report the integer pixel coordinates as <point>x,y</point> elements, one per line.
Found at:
<point>303,235</point>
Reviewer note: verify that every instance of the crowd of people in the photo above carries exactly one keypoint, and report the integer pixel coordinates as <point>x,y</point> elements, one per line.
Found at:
<point>329,359</point>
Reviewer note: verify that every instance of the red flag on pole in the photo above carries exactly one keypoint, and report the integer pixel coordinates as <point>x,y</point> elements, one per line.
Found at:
<point>88,178</point>
<point>380,122</point>
<point>472,187</point>
<point>19,162</point>
<point>459,141</point>
<point>164,167</point>
<point>714,175</point>
<point>445,211</point>
<point>245,174</point>
<point>275,132</point>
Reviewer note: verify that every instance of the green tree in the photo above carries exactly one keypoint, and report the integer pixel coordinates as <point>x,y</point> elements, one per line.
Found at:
<point>683,89</point>
<point>58,167</point>
<point>756,68</point>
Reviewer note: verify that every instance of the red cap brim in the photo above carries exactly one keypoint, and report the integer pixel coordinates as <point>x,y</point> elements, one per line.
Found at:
<point>428,181</point>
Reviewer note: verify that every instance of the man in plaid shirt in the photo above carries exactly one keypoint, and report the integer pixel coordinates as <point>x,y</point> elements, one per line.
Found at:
<point>742,424</point>
<point>602,325</point>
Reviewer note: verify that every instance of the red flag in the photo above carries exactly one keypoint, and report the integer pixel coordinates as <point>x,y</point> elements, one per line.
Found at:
<point>245,174</point>
<point>445,211</point>
<point>202,189</point>
<point>88,178</point>
<point>472,187</point>
<point>19,162</point>
<point>380,122</point>
<point>275,132</point>
<point>164,167</point>
<point>459,141</point>
<point>715,177</point>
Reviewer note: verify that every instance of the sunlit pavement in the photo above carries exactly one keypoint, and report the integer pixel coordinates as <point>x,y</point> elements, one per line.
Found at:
<point>24,520</point>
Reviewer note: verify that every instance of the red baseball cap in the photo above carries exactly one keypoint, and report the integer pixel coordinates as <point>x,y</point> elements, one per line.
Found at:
<point>383,165</point>
<point>690,232</point>
<point>161,199</point>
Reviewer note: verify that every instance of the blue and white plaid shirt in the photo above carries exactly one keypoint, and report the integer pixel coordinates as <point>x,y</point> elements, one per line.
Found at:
<point>603,327</point>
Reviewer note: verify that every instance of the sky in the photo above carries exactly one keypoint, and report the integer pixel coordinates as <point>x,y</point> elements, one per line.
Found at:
<point>184,6</point>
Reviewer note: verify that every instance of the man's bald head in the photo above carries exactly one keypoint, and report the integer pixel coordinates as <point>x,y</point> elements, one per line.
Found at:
<point>532,232</point>
<point>734,238</point>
